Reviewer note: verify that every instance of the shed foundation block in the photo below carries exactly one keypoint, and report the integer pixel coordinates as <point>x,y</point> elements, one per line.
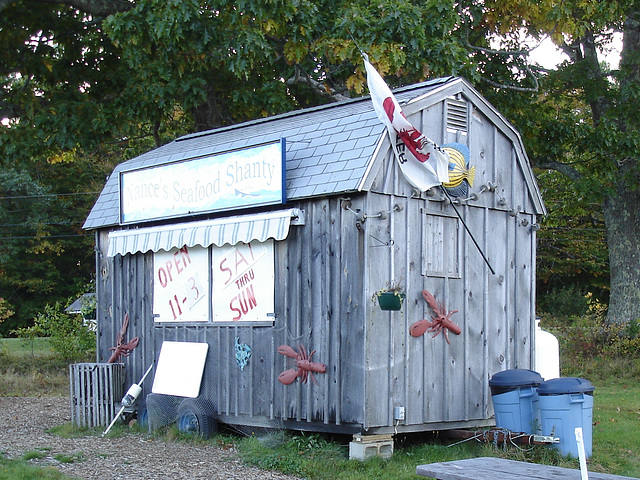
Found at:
<point>367,446</point>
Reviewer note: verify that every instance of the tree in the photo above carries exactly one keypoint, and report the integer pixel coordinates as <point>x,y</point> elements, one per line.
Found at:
<point>112,78</point>
<point>209,63</point>
<point>586,122</point>
<point>90,83</point>
<point>572,257</point>
<point>45,255</point>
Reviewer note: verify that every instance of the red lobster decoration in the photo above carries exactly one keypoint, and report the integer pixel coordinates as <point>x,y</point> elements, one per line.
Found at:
<point>439,322</point>
<point>304,366</point>
<point>121,347</point>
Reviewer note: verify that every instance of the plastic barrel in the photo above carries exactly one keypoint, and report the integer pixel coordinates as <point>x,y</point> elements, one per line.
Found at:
<point>515,399</point>
<point>547,353</point>
<point>565,404</point>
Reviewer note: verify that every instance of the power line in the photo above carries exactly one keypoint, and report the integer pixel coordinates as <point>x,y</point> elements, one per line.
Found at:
<point>44,195</point>
<point>31,224</point>
<point>47,236</point>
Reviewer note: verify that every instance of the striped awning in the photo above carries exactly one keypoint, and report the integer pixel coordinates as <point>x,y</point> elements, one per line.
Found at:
<point>219,231</point>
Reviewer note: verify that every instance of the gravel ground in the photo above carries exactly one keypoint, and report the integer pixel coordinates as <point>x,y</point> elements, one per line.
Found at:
<point>23,425</point>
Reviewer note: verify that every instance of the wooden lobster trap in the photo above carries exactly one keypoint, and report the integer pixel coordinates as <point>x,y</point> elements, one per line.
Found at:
<point>95,390</point>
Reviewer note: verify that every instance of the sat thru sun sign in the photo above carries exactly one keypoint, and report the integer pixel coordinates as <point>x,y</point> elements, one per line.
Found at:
<point>243,282</point>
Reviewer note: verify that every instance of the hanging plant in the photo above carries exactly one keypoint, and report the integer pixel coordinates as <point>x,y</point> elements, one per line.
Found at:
<point>391,297</point>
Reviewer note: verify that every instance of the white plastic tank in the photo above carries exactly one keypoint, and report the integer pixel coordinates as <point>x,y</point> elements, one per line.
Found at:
<point>547,353</point>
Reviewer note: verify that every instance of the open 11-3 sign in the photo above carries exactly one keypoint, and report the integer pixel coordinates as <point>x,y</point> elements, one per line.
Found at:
<point>181,285</point>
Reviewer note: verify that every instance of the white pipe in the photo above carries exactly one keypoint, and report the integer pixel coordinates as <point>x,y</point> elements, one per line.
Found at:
<point>128,399</point>
<point>581,454</point>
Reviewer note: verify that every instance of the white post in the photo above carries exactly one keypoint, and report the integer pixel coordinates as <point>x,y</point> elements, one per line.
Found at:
<point>581,454</point>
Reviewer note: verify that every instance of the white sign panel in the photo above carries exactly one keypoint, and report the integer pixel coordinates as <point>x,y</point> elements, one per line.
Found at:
<point>180,368</point>
<point>181,285</point>
<point>243,282</point>
<point>236,179</point>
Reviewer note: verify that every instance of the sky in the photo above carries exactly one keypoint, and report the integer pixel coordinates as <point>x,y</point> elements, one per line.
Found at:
<point>548,55</point>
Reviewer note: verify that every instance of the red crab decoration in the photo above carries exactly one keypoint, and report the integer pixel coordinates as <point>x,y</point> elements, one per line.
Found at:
<point>121,347</point>
<point>439,322</point>
<point>304,367</point>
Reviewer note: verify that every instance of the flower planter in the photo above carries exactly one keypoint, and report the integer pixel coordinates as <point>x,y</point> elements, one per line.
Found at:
<point>390,300</point>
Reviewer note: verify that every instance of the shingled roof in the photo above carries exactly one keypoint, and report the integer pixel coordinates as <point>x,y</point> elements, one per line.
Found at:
<point>329,149</point>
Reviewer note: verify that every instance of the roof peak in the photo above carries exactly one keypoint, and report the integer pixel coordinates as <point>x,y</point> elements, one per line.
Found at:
<point>309,110</point>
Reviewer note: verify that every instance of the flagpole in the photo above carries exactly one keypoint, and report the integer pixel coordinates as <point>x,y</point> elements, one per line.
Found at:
<point>364,55</point>
<point>493,272</point>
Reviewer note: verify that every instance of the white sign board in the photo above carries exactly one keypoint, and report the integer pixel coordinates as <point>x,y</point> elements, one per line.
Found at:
<point>236,179</point>
<point>243,282</point>
<point>181,285</point>
<point>180,368</point>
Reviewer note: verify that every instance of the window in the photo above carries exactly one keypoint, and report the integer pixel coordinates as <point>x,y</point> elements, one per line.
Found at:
<point>181,285</point>
<point>219,284</point>
<point>441,247</point>
<point>243,282</point>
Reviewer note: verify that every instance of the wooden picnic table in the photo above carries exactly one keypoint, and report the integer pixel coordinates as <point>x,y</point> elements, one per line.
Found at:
<point>490,468</point>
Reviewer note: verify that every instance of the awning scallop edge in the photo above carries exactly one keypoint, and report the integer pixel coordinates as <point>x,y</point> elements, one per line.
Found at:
<point>218,231</point>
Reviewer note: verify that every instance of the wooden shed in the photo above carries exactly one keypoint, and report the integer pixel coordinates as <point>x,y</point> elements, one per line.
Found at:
<point>280,231</point>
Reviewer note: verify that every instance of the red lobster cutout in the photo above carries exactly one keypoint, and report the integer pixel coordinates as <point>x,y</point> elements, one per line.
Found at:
<point>122,348</point>
<point>438,323</point>
<point>304,365</point>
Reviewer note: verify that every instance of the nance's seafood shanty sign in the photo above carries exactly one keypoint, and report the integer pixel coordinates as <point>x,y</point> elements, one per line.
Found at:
<point>235,179</point>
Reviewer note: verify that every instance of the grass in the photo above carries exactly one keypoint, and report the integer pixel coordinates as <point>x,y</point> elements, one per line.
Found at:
<point>35,454</point>
<point>22,470</point>
<point>313,456</point>
<point>616,432</point>
<point>31,369</point>
<point>615,437</point>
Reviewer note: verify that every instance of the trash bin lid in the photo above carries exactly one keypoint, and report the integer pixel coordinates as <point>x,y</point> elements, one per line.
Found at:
<point>516,377</point>
<point>561,386</point>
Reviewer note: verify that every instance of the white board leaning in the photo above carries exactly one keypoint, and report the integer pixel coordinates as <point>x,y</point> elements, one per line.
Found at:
<point>180,368</point>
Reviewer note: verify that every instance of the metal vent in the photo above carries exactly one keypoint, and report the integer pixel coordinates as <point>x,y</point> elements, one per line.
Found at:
<point>457,115</point>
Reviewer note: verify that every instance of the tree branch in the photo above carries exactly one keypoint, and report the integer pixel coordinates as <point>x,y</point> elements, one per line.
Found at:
<point>521,53</point>
<point>563,168</point>
<point>599,104</point>
<point>320,88</point>
<point>513,87</point>
<point>497,52</point>
<point>100,8</point>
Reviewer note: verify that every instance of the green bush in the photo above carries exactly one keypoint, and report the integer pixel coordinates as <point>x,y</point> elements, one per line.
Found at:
<point>5,312</point>
<point>69,338</point>
<point>592,348</point>
<point>564,301</point>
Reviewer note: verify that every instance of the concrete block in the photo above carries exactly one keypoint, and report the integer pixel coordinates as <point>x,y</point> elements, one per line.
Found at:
<point>366,446</point>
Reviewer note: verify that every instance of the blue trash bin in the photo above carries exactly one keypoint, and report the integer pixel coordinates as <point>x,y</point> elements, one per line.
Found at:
<point>565,404</point>
<point>515,399</point>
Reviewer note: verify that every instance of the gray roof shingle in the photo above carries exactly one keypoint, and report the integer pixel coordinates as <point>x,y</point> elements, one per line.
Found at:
<point>328,149</point>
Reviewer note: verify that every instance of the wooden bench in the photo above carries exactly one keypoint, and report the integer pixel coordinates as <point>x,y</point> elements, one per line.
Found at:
<point>489,468</point>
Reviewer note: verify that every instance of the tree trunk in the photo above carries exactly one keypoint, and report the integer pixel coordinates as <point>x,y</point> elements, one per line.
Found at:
<point>622,208</point>
<point>622,219</point>
<point>207,115</point>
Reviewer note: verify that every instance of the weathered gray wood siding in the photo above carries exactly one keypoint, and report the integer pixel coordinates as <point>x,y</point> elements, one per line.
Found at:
<point>427,248</point>
<point>123,287</point>
<point>318,302</point>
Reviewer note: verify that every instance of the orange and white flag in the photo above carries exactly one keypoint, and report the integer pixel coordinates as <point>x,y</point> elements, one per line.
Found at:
<point>423,163</point>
